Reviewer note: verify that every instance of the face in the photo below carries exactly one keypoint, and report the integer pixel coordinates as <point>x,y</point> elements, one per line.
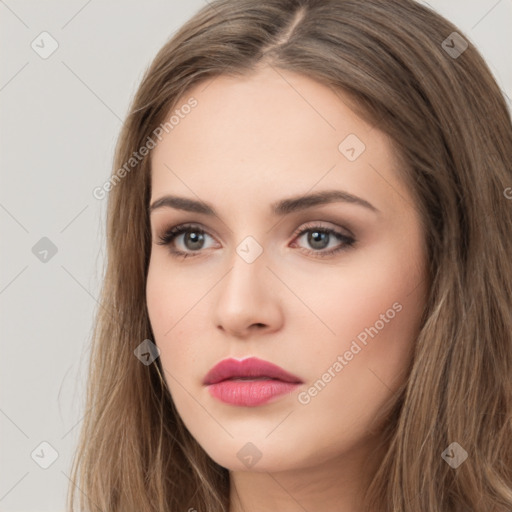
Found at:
<point>331,289</point>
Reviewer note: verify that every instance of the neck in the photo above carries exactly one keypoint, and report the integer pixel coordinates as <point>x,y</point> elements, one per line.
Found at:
<point>333,485</point>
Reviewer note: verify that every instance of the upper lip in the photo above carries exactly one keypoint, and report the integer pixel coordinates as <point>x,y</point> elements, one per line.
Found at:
<point>249,367</point>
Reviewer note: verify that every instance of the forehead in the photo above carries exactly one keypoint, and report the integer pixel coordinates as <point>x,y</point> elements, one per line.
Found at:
<point>270,134</point>
<point>273,107</point>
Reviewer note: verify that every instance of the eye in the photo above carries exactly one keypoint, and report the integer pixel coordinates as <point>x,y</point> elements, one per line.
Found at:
<point>193,239</point>
<point>319,237</point>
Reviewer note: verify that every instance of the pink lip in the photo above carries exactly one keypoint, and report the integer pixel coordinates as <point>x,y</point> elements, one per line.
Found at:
<point>249,367</point>
<point>249,382</point>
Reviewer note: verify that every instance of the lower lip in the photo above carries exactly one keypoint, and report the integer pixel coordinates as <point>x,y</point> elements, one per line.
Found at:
<point>250,393</point>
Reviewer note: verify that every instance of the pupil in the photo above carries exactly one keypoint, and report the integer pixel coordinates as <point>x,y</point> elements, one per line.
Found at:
<point>318,237</point>
<point>194,238</point>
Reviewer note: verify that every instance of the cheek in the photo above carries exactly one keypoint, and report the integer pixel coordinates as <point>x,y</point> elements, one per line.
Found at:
<point>375,312</point>
<point>372,308</point>
<point>174,310</point>
<point>163,308</point>
<point>168,295</point>
<point>381,288</point>
<point>158,299</point>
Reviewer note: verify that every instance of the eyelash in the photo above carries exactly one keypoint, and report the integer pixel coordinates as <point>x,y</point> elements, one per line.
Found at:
<point>170,235</point>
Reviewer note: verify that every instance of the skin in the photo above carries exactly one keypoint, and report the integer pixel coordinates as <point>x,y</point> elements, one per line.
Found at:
<point>250,142</point>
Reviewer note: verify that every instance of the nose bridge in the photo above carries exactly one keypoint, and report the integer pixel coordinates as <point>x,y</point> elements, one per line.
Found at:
<point>245,296</point>
<point>248,270</point>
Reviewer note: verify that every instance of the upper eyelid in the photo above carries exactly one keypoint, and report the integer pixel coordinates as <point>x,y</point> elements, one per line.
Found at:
<point>198,225</point>
<point>304,226</point>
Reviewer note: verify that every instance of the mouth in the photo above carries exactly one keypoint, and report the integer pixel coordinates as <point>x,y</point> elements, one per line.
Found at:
<point>248,369</point>
<point>249,382</point>
<point>249,378</point>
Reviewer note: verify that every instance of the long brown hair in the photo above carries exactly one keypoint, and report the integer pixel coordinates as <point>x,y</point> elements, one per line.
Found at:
<point>411,77</point>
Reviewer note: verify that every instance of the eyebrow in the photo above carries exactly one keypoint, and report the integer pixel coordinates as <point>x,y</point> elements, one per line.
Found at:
<point>279,208</point>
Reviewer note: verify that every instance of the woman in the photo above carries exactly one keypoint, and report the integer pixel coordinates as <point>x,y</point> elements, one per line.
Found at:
<point>308,295</point>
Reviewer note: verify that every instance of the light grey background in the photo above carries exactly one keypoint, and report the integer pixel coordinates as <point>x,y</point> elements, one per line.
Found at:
<point>59,121</point>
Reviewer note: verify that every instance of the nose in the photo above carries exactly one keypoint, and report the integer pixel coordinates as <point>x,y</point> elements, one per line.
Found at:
<point>247,299</point>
